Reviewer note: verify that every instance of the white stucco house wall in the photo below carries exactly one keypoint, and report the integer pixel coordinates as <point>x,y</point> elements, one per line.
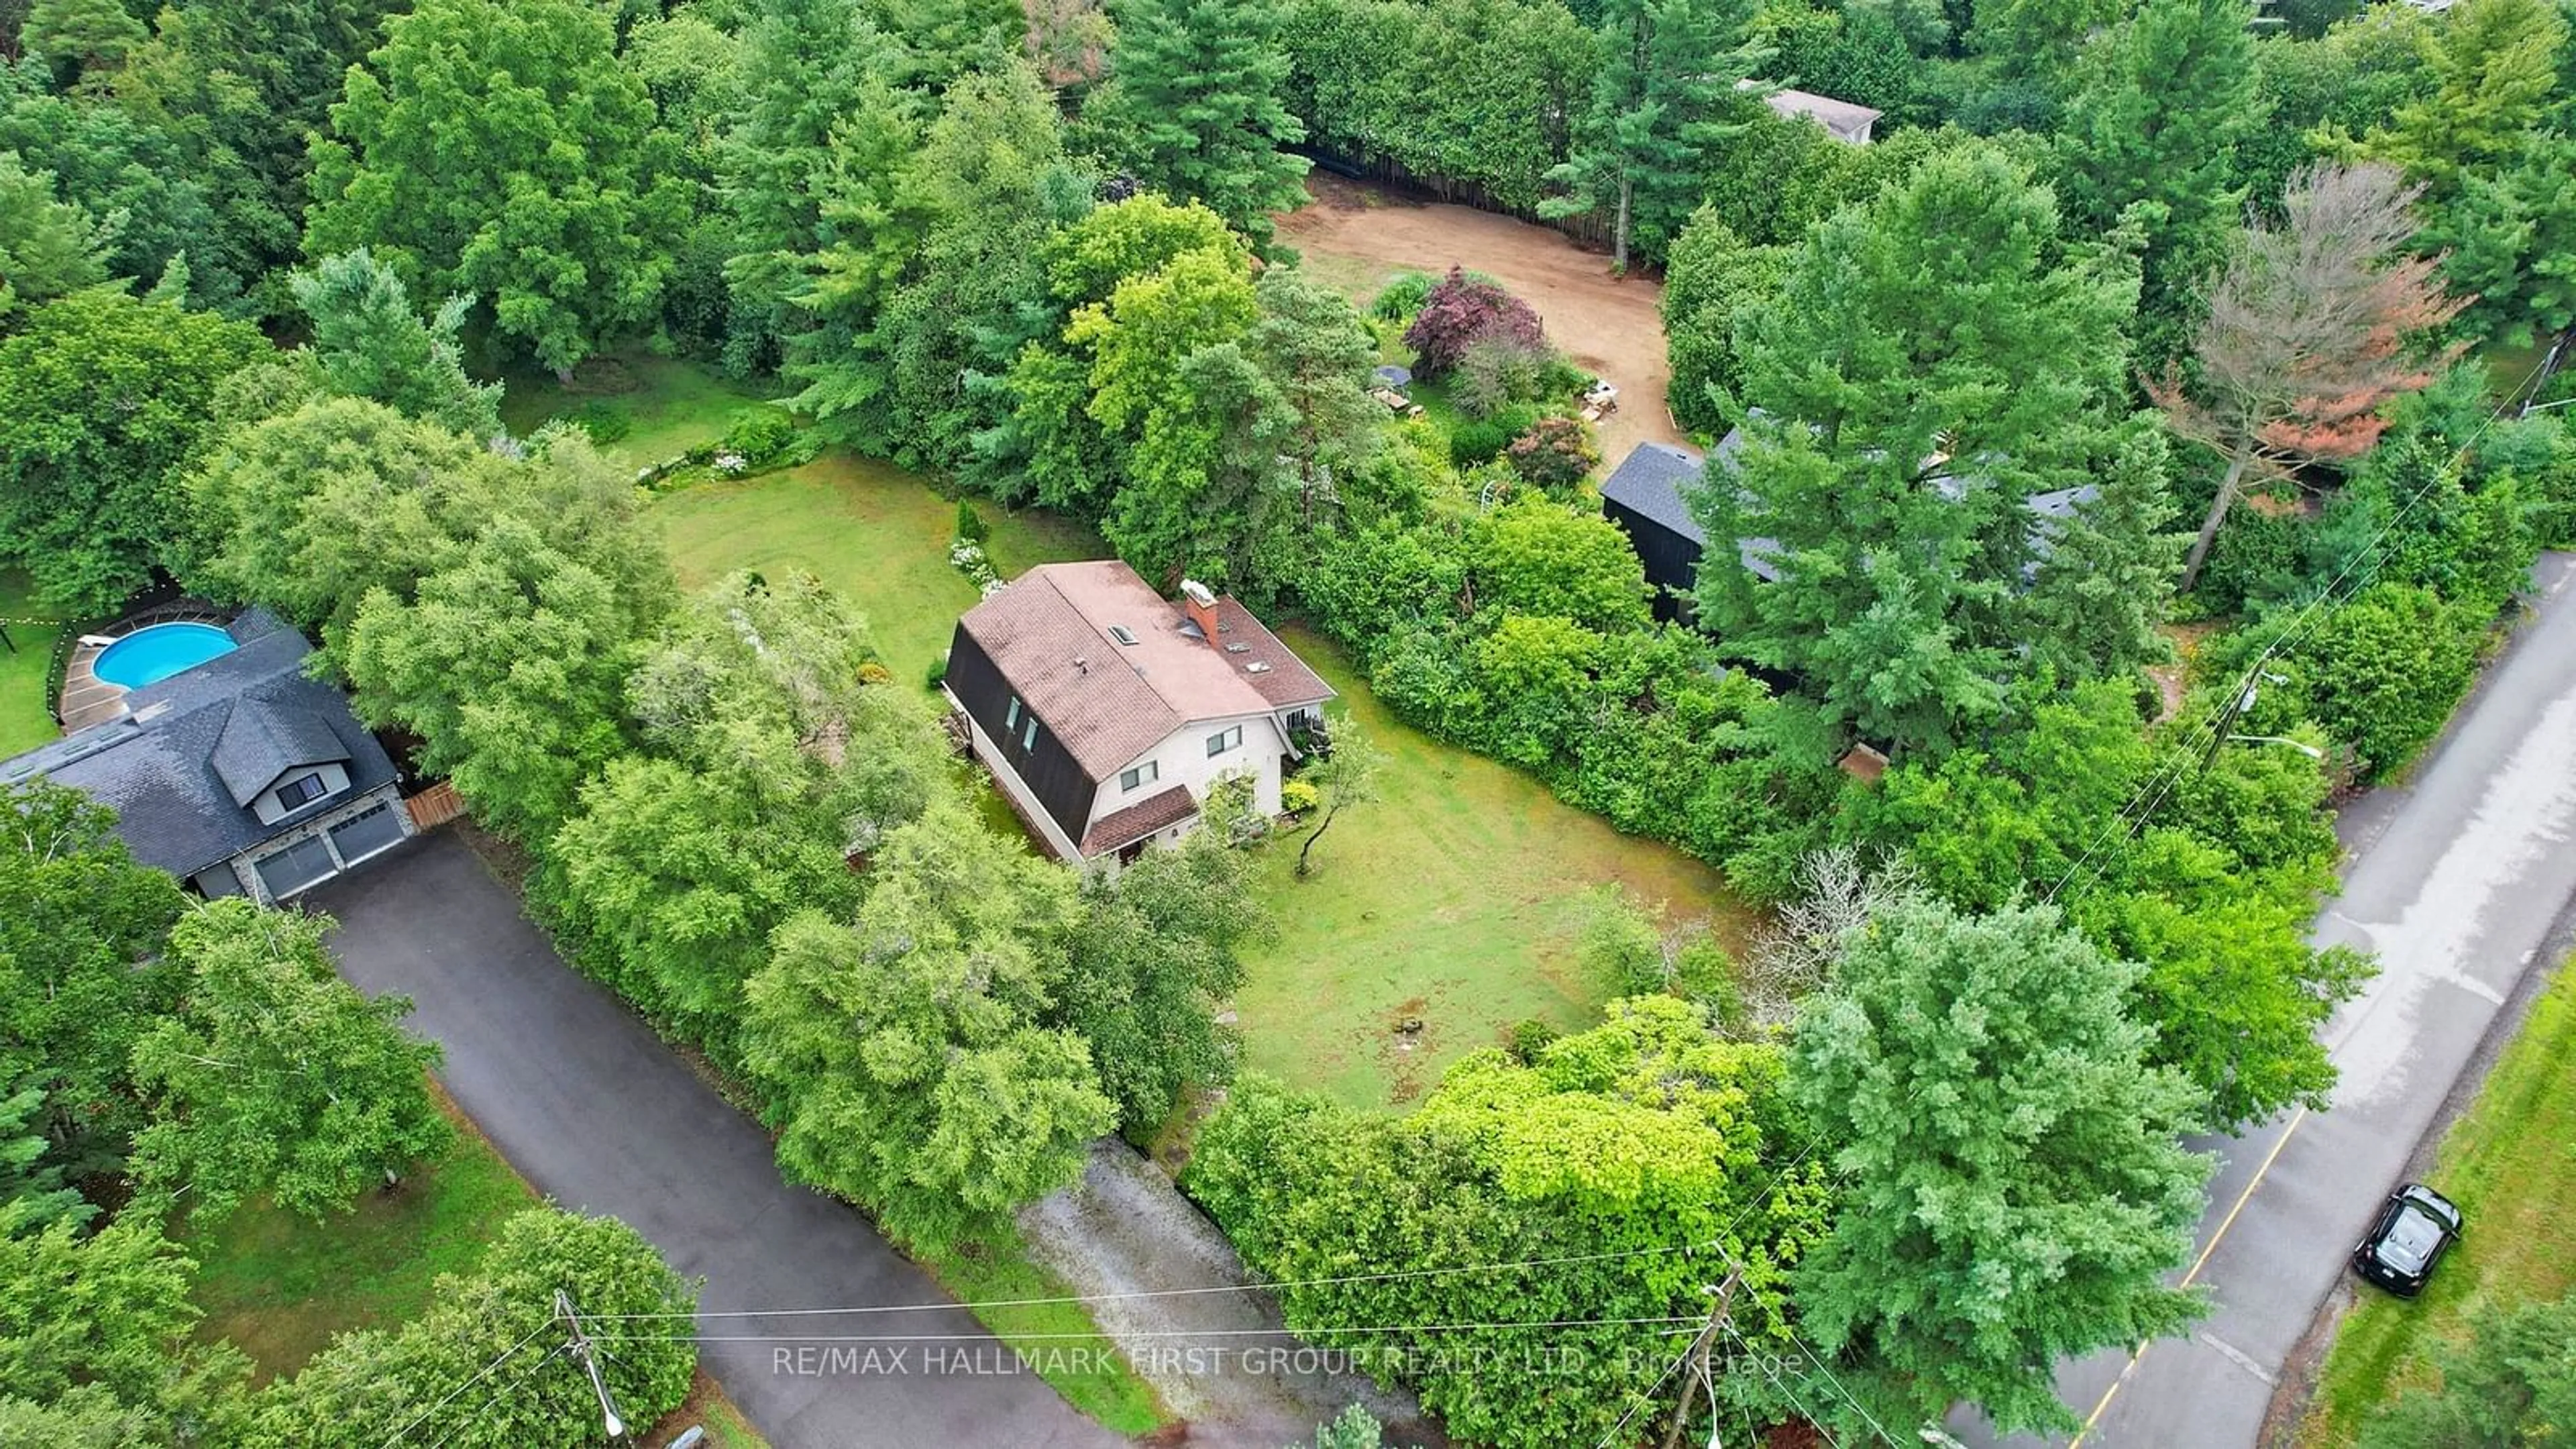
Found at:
<point>1107,712</point>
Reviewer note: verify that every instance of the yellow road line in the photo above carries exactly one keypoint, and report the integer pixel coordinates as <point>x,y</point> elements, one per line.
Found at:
<point>2229,1221</point>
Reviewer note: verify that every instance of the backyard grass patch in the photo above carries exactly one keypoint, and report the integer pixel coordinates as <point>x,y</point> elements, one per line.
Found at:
<point>871,532</point>
<point>24,721</point>
<point>664,406</point>
<point>280,1285</point>
<point>1454,899</point>
<point>2510,1163</point>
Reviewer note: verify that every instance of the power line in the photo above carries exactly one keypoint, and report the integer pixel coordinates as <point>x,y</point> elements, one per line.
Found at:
<point>479,1377</point>
<point>2178,762</point>
<point>1146,1293</point>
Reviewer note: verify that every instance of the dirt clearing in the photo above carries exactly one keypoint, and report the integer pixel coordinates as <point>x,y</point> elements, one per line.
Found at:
<point>1356,237</point>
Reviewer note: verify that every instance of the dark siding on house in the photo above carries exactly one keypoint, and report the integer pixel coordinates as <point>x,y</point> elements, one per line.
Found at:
<point>1671,560</point>
<point>1048,769</point>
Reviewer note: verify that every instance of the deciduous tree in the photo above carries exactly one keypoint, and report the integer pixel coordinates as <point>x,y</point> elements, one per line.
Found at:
<point>81,971</point>
<point>1600,1159</point>
<point>2316,323</point>
<point>2012,1187</point>
<point>500,150</point>
<point>95,1332</point>
<point>1155,957</point>
<point>509,658</point>
<point>103,399</point>
<point>275,1076</point>
<point>904,1053</point>
<point>636,1307</point>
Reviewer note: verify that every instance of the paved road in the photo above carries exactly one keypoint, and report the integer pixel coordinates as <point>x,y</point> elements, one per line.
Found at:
<point>594,1110</point>
<point>2460,882</point>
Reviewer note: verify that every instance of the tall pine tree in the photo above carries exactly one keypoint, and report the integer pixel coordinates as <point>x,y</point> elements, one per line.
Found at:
<point>1193,107</point>
<point>2155,126</point>
<point>1934,361</point>
<point>1661,97</point>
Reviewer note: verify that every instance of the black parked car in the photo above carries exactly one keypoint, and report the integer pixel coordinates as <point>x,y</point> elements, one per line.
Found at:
<point>2412,1232</point>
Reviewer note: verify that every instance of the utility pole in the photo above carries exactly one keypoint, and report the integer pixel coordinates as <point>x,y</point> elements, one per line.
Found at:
<point>588,1357</point>
<point>1720,1312</point>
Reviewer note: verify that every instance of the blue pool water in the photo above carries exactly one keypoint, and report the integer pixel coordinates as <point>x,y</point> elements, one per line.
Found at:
<point>148,656</point>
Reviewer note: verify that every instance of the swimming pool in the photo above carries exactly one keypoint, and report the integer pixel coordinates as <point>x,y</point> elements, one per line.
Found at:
<point>150,655</point>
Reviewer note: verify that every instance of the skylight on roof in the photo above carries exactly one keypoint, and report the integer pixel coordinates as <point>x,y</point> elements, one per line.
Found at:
<point>1122,633</point>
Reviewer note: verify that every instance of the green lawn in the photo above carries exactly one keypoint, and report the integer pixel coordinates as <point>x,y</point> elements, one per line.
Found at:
<point>24,721</point>
<point>1455,897</point>
<point>670,406</point>
<point>279,1285</point>
<point>869,530</point>
<point>2510,1164</point>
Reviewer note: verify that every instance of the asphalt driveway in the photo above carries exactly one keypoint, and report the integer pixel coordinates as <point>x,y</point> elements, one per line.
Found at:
<point>591,1107</point>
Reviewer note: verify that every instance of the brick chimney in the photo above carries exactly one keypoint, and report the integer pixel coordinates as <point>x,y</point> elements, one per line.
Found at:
<point>1200,605</point>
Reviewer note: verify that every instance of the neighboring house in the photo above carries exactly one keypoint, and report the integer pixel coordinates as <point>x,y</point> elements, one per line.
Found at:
<point>1106,711</point>
<point>1644,497</point>
<point>240,776</point>
<point>1843,120</point>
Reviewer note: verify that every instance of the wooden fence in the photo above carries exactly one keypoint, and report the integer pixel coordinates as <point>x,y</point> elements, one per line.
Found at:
<point>434,806</point>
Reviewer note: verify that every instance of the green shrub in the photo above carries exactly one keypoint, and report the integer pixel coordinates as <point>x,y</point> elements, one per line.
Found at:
<point>1482,440</point>
<point>765,436</point>
<point>605,421</point>
<point>970,524</point>
<point>938,671</point>
<point>1554,455</point>
<point>2383,672</point>
<point>1401,298</point>
<point>1529,1038</point>
<point>1296,797</point>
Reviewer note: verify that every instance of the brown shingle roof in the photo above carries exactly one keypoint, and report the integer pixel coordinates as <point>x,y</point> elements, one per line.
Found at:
<point>1049,634</point>
<point>1126,827</point>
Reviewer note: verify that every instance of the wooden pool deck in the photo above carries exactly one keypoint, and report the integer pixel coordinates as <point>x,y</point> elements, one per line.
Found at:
<point>88,700</point>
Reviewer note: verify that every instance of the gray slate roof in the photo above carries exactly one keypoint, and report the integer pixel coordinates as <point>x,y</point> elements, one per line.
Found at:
<point>1649,480</point>
<point>181,767</point>
<point>1648,483</point>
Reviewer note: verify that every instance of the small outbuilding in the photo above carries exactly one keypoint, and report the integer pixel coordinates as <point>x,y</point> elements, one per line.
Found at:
<point>1845,121</point>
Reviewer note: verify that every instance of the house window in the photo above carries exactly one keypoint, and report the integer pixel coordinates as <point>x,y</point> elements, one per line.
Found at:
<point>297,793</point>
<point>1144,774</point>
<point>1011,719</point>
<point>1029,734</point>
<point>1225,739</point>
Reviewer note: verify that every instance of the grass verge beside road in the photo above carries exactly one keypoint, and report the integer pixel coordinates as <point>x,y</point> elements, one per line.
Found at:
<point>281,1286</point>
<point>1061,1339</point>
<point>2510,1163</point>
